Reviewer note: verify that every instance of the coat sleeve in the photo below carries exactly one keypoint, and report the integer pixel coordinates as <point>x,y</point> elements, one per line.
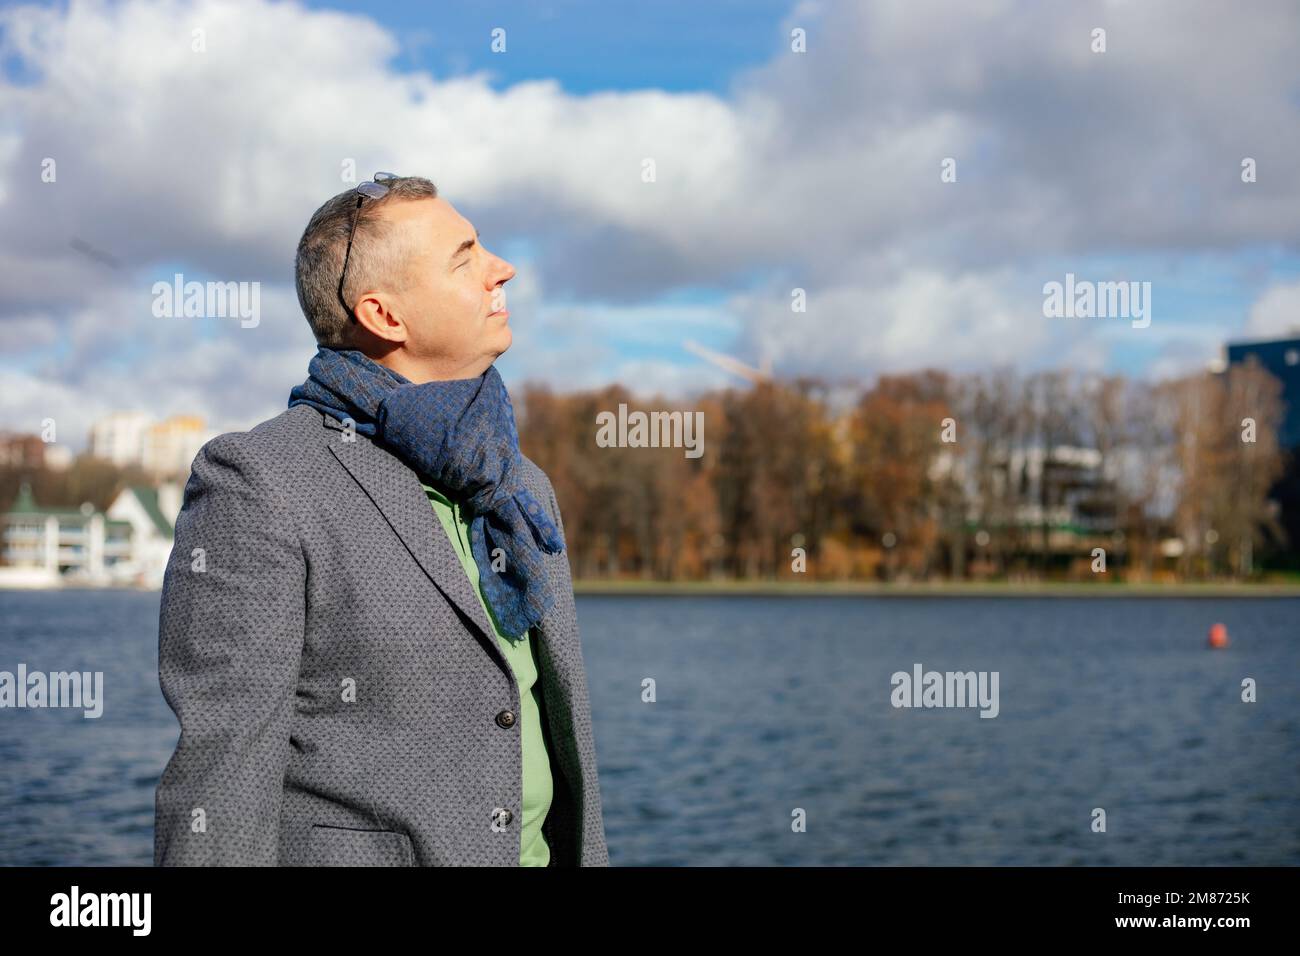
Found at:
<point>230,641</point>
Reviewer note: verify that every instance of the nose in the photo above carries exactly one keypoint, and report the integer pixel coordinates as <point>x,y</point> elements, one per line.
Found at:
<point>500,273</point>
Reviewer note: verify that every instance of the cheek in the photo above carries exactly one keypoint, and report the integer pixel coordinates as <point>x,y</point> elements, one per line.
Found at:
<point>474,309</point>
<point>457,287</point>
<point>471,295</point>
<point>453,304</point>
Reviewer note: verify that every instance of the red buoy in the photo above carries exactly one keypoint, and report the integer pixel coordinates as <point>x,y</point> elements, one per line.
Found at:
<point>1218,636</point>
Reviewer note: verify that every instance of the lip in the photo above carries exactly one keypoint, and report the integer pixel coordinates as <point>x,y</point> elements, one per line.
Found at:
<point>505,312</point>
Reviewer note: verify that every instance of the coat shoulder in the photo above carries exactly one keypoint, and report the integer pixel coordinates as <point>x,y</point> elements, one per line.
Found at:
<point>269,446</point>
<point>534,477</point>
<point>294,426</point>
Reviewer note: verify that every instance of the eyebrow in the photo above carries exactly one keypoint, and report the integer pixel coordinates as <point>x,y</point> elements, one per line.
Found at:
<point>467,244</point>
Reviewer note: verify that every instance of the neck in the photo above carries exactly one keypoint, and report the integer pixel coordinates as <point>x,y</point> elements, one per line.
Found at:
<point>420,371</point>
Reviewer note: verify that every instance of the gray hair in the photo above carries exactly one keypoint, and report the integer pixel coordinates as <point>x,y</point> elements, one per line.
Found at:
<point>376,260</point>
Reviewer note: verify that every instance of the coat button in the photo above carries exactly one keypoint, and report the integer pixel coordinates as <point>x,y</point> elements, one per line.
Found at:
<point>501,818</point>
<point>506,719</point>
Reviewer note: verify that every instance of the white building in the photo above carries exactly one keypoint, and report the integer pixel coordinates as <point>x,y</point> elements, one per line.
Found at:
<point>151,514</point>
<point>127,545</point>
<point>164,449</point>
<point>119,438</point>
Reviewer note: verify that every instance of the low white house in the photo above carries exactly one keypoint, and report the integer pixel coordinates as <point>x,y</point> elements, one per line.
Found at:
<point>151,514</point>
<point>127,545</point>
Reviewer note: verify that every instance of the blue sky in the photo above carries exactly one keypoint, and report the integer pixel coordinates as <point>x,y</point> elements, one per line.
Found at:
<point>675,45</point>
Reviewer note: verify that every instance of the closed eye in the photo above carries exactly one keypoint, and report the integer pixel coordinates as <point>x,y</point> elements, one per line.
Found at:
<point>465,246</point>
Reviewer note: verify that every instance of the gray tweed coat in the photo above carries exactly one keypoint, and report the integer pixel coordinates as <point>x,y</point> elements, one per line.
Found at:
<point>341,696</point>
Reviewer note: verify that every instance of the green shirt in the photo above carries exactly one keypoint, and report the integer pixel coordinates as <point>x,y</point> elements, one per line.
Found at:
<point>522,655</point>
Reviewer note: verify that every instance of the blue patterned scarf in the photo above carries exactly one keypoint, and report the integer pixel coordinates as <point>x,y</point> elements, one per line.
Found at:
<point>460,434</point>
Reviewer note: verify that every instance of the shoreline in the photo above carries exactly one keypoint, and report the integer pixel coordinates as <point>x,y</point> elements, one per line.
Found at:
<point>1061,589</point>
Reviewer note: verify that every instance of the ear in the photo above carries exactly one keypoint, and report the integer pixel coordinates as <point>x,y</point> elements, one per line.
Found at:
<point>376,318</point>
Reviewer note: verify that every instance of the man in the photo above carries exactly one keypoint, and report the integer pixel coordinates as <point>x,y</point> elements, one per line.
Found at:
<point>368,631</point>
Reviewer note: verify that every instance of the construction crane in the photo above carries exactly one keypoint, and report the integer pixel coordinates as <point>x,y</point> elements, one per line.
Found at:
<point>728,364</point>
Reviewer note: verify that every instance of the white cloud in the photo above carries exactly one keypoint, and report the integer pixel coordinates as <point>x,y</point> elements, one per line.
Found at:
<point>1276,313</point>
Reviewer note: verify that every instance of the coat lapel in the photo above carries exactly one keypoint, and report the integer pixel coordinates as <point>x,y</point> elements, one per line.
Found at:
<point>395,490</point>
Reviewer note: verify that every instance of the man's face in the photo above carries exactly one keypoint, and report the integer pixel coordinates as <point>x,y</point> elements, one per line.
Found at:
<point>451,319</point>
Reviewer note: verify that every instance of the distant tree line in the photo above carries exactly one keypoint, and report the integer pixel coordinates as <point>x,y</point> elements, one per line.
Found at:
<point>927,476</point>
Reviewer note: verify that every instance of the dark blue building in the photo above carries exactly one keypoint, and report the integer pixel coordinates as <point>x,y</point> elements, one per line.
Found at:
<point>1281,358</point>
